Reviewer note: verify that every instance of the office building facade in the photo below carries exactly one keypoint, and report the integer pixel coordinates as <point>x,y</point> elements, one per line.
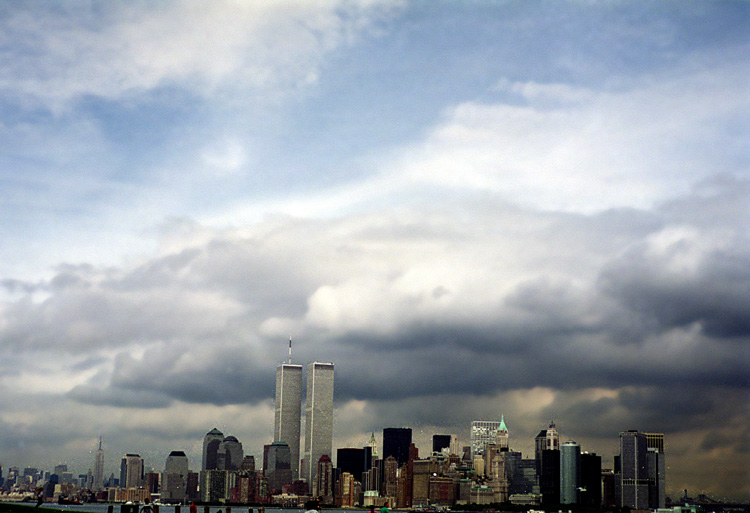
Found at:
<point>483,432</point>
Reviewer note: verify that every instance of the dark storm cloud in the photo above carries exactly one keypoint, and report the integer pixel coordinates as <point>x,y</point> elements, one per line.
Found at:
<point>716,294</point>
<point>210,374</point>
<point>670,408</point>
<point>738,442</point>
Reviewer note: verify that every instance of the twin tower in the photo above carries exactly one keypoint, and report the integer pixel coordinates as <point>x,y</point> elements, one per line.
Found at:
<point>318,416</point>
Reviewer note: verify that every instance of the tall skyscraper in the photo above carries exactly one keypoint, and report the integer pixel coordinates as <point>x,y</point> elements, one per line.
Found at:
<point>318,418</point>
<point>229,454</point>
<point>174,479</point>
<point>483,432</point>
<point>570,472</point>
<point>278,466</point>
<point>288,411</point>
<point>131,471</point>
<point>396,442</point>
<point>210,448</point>
<point>631,484</point>
<point>99,467</point>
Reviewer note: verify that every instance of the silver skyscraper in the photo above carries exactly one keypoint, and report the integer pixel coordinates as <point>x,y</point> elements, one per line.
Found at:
<point>288,411</point>
<point>318,418</point>
<point>99,467</point>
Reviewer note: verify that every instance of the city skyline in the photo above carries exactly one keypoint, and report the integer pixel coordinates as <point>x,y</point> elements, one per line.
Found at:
<point>471,208</point>
<point>132,465</point>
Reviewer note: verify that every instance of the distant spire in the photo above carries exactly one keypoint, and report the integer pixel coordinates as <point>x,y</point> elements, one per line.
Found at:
<point>373,444</point>
<point>502,424</point>
<point>290,349</point>
<point>100,442</point>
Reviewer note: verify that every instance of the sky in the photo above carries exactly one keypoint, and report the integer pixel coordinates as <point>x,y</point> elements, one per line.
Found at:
<point>532,209</point>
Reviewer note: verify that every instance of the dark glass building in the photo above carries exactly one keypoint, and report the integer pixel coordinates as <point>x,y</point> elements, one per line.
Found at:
<point>549,481</point>
<point>396,442</point>
<point>440,442</point>
<point>279,466</point>
<point>591,479</point>
<point>351,460</point>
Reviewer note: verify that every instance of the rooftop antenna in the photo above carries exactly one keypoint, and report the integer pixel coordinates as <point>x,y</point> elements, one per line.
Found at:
<point>290,349</point>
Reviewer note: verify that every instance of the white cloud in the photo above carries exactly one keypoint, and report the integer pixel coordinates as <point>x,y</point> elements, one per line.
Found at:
<point>269,47</point>
<point>225,157</point>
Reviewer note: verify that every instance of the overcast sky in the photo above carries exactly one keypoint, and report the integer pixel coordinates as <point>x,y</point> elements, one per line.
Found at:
<point>536,209</point>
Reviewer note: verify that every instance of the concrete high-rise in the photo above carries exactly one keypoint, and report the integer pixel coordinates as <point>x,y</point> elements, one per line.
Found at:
<point>318,419</point>
<point>570,472</point>
<point>288,411</point>
<point>210,448</point>
<point>98,467</point>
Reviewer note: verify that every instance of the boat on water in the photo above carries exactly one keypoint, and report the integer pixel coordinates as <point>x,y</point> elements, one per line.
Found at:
<point>66,500</point>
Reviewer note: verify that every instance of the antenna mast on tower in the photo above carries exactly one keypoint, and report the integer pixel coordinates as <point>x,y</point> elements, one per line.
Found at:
<point>290,349</point>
